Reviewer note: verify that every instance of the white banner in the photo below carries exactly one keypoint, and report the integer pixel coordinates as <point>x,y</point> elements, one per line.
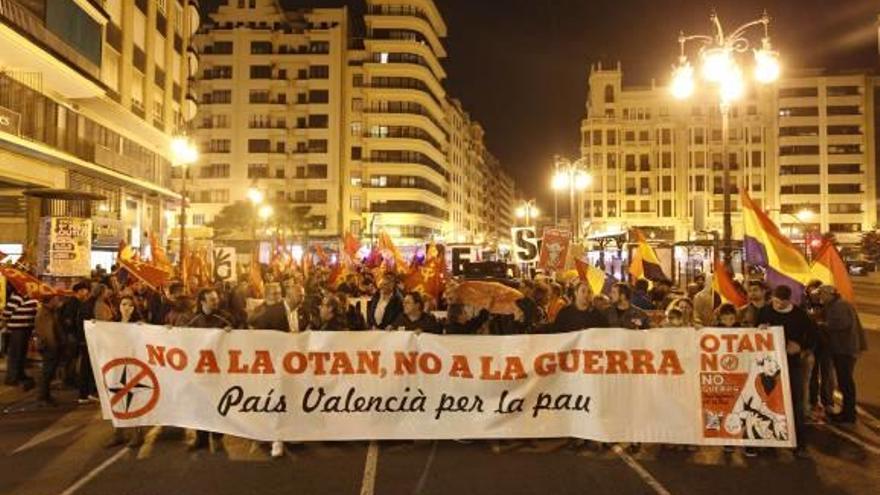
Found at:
<point>224,263</point>
<point>712,386</point>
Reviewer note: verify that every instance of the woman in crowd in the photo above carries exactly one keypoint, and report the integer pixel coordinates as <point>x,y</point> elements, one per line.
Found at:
<point>414,316</point>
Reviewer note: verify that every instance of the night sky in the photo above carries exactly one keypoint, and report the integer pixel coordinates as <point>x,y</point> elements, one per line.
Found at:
<point>520,66</point>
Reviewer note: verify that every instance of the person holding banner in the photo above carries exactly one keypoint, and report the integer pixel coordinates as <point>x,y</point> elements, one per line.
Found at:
<point>580,314</point>
<point>271,315</point>
<point>128,313</point>
<point>294,296</point>
<point>331,316</point>
<point>207,316</point>
<point>800,335</point>
<point>414,317</point>
<point>622,313</point>
<point>385,305</point>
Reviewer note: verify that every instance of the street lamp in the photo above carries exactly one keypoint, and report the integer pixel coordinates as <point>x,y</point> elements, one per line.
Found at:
<point>803,217</point>
<point>569,175</point>
<point>255,196</point>
<point>183,154</point>
<point>265,212</point>
<point>718,54</point>
<point>528,211</point>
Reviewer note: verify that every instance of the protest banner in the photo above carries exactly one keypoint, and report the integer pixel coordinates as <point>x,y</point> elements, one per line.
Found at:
<point>554,249</point>
<point>709,387</point>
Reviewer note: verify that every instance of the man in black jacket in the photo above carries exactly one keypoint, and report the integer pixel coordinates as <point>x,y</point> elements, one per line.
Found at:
<point>385,305</point>
<point>208,316</point>
<point>271,315</point>
<point>74,313</point>
<point>579,315</point>
<point>846,340</point>
<point>800,336</point>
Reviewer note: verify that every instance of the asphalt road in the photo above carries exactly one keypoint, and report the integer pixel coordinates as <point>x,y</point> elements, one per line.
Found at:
<point>59,451</point>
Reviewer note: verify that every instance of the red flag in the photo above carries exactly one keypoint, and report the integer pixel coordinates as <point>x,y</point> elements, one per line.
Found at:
<point>27,285</point>
<point>159,259</point>
<point>434,271</point>
<point>724,285</point>
<point>256,278</point>
<point>351,244</point>
<point>831,270</point>
<point>323,259</point>
<point>152,276</point>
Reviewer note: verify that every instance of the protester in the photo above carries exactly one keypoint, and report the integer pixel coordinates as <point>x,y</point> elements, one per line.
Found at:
<point>18,318</point>
<point>661,294</point>
<point>758,295</point>
<point>579,315</point>
<point>128,313</point>
<point>674,318</point>
<point>271,314</point>
<point>385,306</point>
<point>556,303</point>
<point>331,316</point>
<point>640,298</point>
<point>846,341</point>
<point>800,334</point>
<point>50,344</point>
<point>294,298</point>
<point>458,322</point>
<point>102,307</point>
<point>622,313</point>
<point>414,316</point>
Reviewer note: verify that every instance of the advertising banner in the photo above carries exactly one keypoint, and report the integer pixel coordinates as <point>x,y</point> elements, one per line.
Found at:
<point>67,244</point>
<point>685,386</point>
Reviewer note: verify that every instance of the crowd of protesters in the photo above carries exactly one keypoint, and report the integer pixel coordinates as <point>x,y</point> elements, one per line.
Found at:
<point>823,334</point>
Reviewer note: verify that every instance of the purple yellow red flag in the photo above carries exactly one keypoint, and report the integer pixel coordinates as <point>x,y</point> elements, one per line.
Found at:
<point>725,288</point>
<point>829,267</point>
<point>645,263</point>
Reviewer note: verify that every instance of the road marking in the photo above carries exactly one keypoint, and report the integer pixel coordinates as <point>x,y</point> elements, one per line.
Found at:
<point>424,477</point>
<point>62,425</point>
<point>95,472</point>
<point>854,439</point>
<point>369,482</point>
<point>643,473</point>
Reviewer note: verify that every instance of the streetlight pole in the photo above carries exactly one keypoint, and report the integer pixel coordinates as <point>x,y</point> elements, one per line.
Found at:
<point>184,153</point>
<point>528,211</point>
<point>719,67</point>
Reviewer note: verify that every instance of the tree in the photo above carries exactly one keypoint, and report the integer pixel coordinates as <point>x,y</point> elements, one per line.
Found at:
<point>871,246</point>
<point>235,220</point>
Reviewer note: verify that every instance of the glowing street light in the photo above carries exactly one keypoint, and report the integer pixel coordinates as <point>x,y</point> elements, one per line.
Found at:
<point>718,57</point>
<point>183,154</point>
<point>528,211</point>
<point>806,215</point>
<point>265,212</point>
<point>255,195</point>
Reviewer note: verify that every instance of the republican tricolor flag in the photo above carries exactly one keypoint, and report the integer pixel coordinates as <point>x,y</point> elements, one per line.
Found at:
<point>831,270</point>
<point>766,247</point>
<point>645,263</point>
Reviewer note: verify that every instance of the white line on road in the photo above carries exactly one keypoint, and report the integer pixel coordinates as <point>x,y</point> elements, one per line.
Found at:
<point>854,439</point>
<point>641,471</point>
<point>424,477</point>
<point>94,472</point>
<point>369,482</point>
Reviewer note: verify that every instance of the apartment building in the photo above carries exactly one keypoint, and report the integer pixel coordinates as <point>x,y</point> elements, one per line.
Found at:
<point>91,93</point>
<point>343,114</point>
<point>805,144</point>
<point>271,87</point>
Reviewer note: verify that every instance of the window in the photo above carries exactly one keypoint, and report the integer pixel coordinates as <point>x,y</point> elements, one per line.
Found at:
<point>844,130</point>
<point>357,104</point>
<point>218,146</point>
<point>798,92</point>
<point>843,91</point>
<point>214,171</point>
<point>630,164</point>
<point>316,196</point>
<point>800,189</point>
<point>319,96</point>
<point>844,168</point>
<point>317,171</point>
<point>807,130</point>
<point>258,145</point>
<point>844,188</point>
<point>844,208</point>
<point>611,138</point>
<point>611,160</point>
<point>644,163</point>
<point>597,138</point>
<point>259,96</point>
<point>666,136</point>
<point>843,110</point>
<point>798,150</point>
<point>645,206</point>
<point>357,80</point>
<point>356,204</point>
<point>319,72</point>
<point>318,122</point>
<point>844,149</point>
<point>666,159</point>
<point>317,145</point>
<point>258,171</point>
<point>798,170</point>
<point>261,47</point>
<point>845,227</point>
<point>261,72</point>
<point>798,111</point>
<point>667,208</point>
<point>629,136</point>
<point>699,160</point>
<point>700,183</point>
<point>356,179</point>
<point>198,219</point>
<point>609,94</point>
<point>644,136</point>
<point>357,129</point>
<point>699,135</point>
<point>356,152</point>
<point>666,183</point>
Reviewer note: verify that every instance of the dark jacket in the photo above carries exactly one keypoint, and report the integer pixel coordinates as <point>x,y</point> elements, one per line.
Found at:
<point>469,327</point>
<point>845,331</point>
<point>270,317</point>
<point>570,318</point>
<point>797,325</point>
<point>426,323</point>
<point>355,319</point>
<point>73,314</point>
<point>392,311</point>
<point>641,300</point>
<point>213,320</point>
<point>627,318</point>
<point>334,325</point>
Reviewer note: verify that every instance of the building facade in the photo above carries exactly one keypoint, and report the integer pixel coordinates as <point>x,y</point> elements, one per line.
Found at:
<point>351,120</point>
<point>804,144</point>
<point>91,93</point>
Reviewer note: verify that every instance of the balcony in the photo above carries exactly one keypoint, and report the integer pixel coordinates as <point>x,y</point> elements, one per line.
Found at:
<point>77,76</point>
